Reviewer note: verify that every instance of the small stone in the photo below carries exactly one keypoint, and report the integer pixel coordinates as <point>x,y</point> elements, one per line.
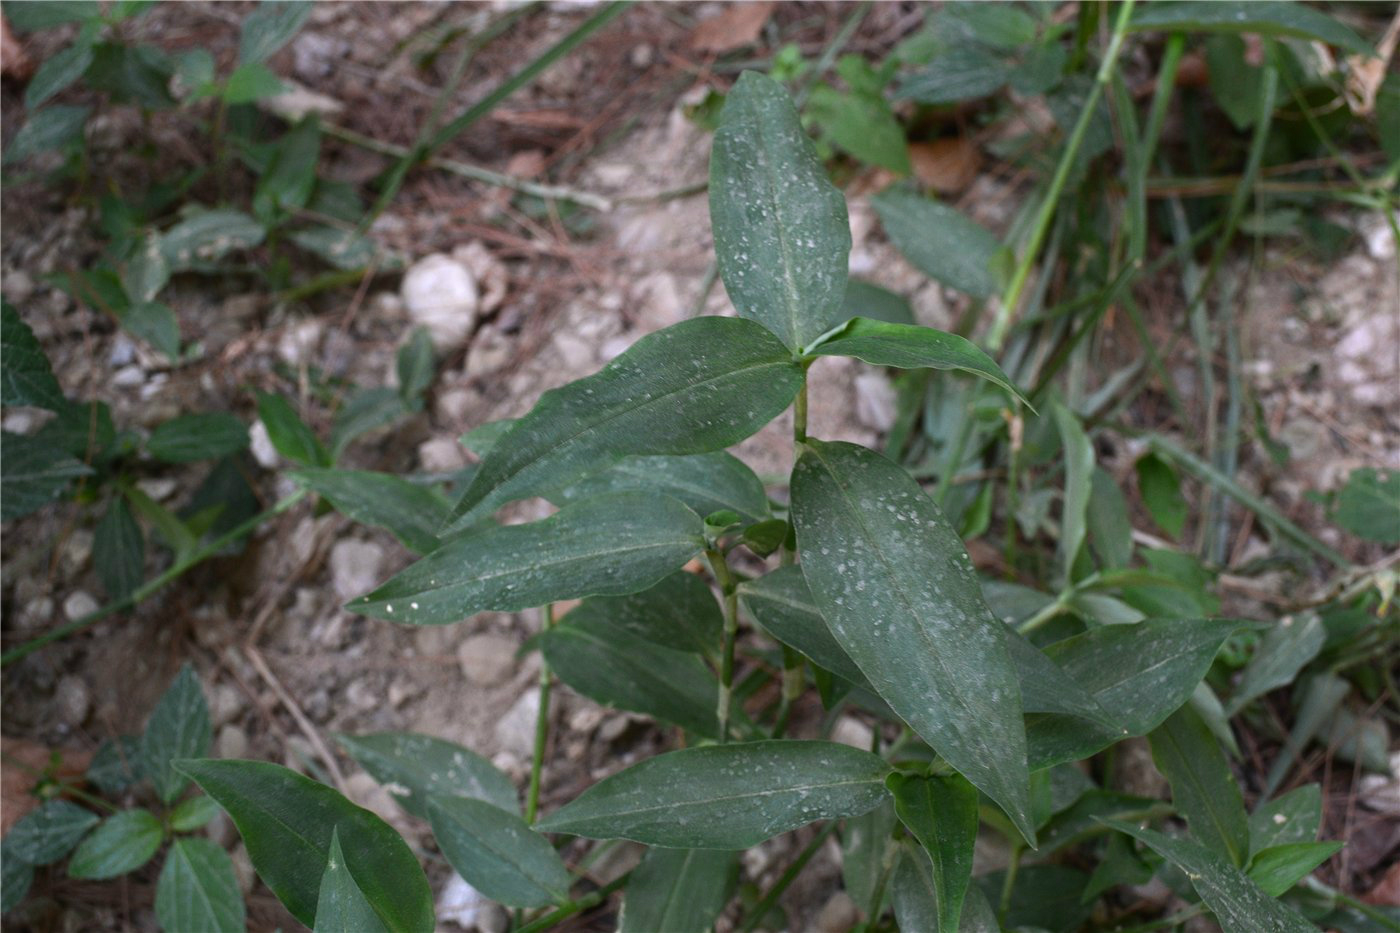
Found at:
<point>225,702</point>
<point>78,604</point>
<point>401,691</point>
<point>158,489</point>
<point>72,701</point>
<point>492,919</point>
<point>18,287</point>
<point>440,294</point>
<point>441,455</point>
<point>361,696</point>
<point>232,742</point>
<point>515,732</point>
<point>851,731</point>
<point>123,351</point>
<point>298,342</point>
<point>577,354</point>
<point>459,903</point>
<point>454,405</point>
<point>613,727</point>
<point>370,794</point>
<point>641,56</point>
<point>77,549</point>
<point>586,720</point>
<point>220,830</point>
<point>355,567</point>
<point>509,765</point>
<point>261,445</point>
<point>838,914</point>
<point>243,869</point>
<point>875,401</point>
<point>129,376</point>
<point>487,660</point>
<point>490,350</point>
<point>35,614</point>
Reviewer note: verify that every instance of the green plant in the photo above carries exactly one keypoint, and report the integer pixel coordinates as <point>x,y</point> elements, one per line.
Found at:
<point>874,602</point>
<point>197,889</point>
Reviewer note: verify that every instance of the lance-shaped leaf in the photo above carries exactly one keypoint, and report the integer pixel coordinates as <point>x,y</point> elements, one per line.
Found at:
<point>941,812</point>
<point>1238,903</point>
<point>179,727</point>
<point>865,845</point>
<point>1266,18</point>
<point>616,668</point>
<point>498,853</point>
<point>680,612</point>
<point>606,546</point>
<point>25,375</point>
<point>123,842</point>
<point>1046,688</point>
<point>420,766</point>
<point>1078,455</point>
<point>726,796</point>
<point>698,386</point>
<point>916,904</point>
<point>34,475</point>
<point>198,889</point>
<point>341,907</point>
<point>287,820</point>
<point>940,241</point>
<point>1282,653</point>
<point>782,236</point>
<point>910,346</point>
<point>1140,674</point>
<point>678,890</point>
<point>706,482</point>
<point>410,512</point>
<point>898,591</point>
<point>1294,817</point>
<point>1203,789</point>
<point>1279,868</point>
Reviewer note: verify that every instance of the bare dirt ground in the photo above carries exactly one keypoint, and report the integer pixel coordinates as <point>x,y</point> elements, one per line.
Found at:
<point>284,666</point>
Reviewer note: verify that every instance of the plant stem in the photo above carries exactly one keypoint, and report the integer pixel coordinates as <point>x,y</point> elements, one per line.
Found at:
<point>829,54</point>
<point>1057,183</point>
<point>532,799</point>
<point>771,896</point>
<point>1008,883</point>
<point>887,864</point>
<point>148,589</point>
<point>573,907</point>
<point>793,680</point>
<point>720,569</point>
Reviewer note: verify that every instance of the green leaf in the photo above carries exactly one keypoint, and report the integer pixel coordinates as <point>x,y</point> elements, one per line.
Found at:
<point>909,346</point>
<point>193,813</point>
<point>1294,817</point>
<point>1001,26</point>
<point>59,126</point>
<point>209,235</point>
<point>1110,530</point>
<point>697,386</point>
<point>31,17</point>
<point>341,907</point>
<point>782,603</point>
<point>1234,82</point>
<point>118,550</point>
<point>83,429</point>
<point>32,475</point>
<point>16,875</point>
<point>363,412</point>
<point>156,324</point>
<point>49,832</point>
<point>26,378</point>
<point>959,73</point>
<point>1045,897</point>
<point>705,482</point>
<point>205,436</point>
<point>862,125</point>
<point>420,766</point>
<point>1369,505</point>
<point>1161,493</point>
<point>498,853</point>
<point>680,613</point>
<point>410,512</point>
<point>286,821</point>
<point>1084,818</point>
<point>1046,687</point>
<point>179,727</point>
<point>1285,649</point>
<point>1140,674</point>
<point>58,71</point>
<point>342,249</point>
<point>198,889</point>
<point>865,844</point>
<point>678,890</point>
<point>1279,868</point>
<point>1203,789</point>
<point>865,299</point>
<point>251,82</point>
<point>916,904</point>
<point>1079,467</point>
<point>414,365</point>
<point>289,434</point>
<point>1238,902</point>
<point>286,184</point>
<point>941,812</point>
<point>121,843</point>
<point>1264,17</point>
<point>117,764</point>
<point>726,796</point>
<point>147,270</point>
<point>764,538</point>
<point>611,666</point>
<point>940,241</point>
<point>606,546</point>
<point>272,25</point>
<point>782,236</point>
<point>899,593</point>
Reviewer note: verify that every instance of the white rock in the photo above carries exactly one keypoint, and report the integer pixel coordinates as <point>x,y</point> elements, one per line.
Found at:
<point>492,277</point>
<point>487,660</point>
<point>516,730</point>
<point>440,294</point>
<point>851,731</point>
<point>577,354</point>
<point>298,342</point>
<point>459,903</point>
<point>243,869</point>
<point>297,102</point>
<point>261,444</point>
<point>225,702</point>
<point>78,604</point>
<point>18,287</point>
<point>77,549</point>
<point>35,614</point>
<point>123,351</point>
<point>129,376</point>
<point>72,701</point>
<point>838,914</point>
<point>442,455</point>
<point>232,742</point>
<point>453,406</point>
<point>158,489</point>
<point>355,567</point>
<point>493,919</point>
<point>875,401</point>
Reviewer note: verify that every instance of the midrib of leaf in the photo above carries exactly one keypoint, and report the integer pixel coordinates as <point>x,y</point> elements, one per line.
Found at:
<point>672,896</point>
<point>670,481</point>
<point>807,608</point>
<point>198,885</point>
<point>725,798</point>
<point>1215,816</point>
<point>793,299</point>
<point>534,461</point>
<point>505,856</point>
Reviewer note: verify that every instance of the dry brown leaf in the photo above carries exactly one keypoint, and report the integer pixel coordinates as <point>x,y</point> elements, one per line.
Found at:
<point>738,26</point>
<point>947,166</point>
<point>528,163</point>
<point>1386,893</point>
<point>14,61</point>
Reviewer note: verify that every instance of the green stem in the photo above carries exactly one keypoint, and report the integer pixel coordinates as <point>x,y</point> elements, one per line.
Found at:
<point>720,568</point>
<point>146,590</point>
<point>573,907</point>
<point>771,896</point>
<point>829,54</point>
<point>794,682</point>
<point>1008,883</point>
<point>532,799</point>
<point>1057,183</point>
<point>887,864</point>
